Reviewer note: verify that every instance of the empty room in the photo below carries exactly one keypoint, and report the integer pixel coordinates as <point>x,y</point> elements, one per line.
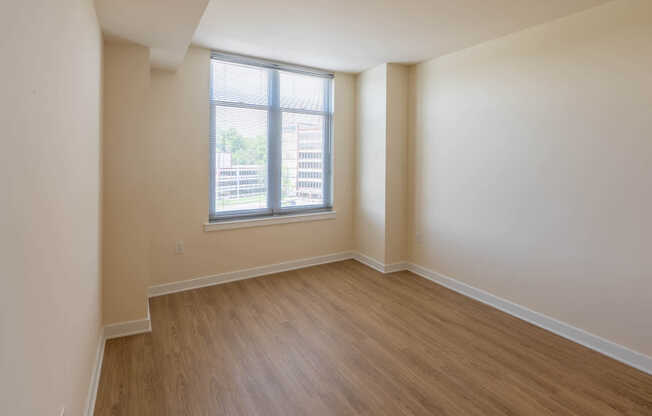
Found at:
<point>373,207</point>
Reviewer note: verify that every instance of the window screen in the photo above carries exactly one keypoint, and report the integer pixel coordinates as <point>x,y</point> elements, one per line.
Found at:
<point>270,138</point>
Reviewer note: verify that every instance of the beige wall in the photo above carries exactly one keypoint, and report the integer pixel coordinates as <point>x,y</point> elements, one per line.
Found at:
<point>396,164</point>
<point>50,300</point>
<point>532,169</point>
<point>381,163</point>
<point>530,166</point>
<point>170,159</point>
<point>371,147</point>
<point>127,191</point>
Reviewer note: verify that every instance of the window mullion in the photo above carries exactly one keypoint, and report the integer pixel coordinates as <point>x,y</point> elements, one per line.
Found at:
<point>327,175</point>
<point>274,143</point>
<point>212,149</point>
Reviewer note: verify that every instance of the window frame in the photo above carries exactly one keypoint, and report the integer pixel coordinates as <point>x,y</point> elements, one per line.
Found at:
<point>274,139</point>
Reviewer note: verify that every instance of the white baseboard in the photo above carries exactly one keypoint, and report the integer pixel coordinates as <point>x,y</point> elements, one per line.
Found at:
<point>369,261</point>
<point>124,329</point>
<point>117,330</point>
<point>217,279</point>
<point>396,267</point>
<point>378,265</point>
<point>617,352</point>
<point>139,326</point>
<point>608,348</point>
<point>121,329</point>
<point>95,375</point>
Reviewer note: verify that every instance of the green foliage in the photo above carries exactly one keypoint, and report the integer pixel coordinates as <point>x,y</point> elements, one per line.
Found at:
<point>244,150</point>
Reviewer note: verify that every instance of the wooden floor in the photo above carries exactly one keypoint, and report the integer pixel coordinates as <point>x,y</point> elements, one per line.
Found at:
<point>342,339</point>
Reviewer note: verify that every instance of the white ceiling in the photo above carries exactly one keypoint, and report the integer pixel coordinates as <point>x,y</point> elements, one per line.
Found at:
<point>165,26</point>
<point>354,35</point>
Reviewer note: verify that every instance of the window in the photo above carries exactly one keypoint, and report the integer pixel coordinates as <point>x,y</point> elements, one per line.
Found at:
<point>270,138</point>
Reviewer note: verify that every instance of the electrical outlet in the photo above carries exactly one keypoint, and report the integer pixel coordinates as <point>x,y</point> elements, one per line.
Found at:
<point>179,247</point>
<point>63,412</point>
<point>419,237</point>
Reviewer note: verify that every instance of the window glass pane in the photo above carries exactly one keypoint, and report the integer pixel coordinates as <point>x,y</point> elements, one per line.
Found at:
<point>302,170</point>
<point>301,91</point>
<point>240,159</point>
<point>239,83</point>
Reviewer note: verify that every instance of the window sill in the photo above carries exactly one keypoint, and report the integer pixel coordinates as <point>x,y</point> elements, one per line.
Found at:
<point>265,221</point>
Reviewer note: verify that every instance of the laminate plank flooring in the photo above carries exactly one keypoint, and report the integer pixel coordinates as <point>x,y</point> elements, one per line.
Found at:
<point>343,339</point>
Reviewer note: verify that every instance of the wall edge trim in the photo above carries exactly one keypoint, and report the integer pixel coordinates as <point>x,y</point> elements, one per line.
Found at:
<point>95,375</point>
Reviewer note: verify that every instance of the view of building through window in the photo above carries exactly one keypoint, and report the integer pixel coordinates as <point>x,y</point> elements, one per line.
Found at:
<point>241,117</point>
<point>303,144</point>
<point>241,159</point>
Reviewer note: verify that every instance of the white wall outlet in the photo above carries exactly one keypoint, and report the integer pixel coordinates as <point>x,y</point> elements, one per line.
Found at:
<point>179,247</point>
<point>419,237</point>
